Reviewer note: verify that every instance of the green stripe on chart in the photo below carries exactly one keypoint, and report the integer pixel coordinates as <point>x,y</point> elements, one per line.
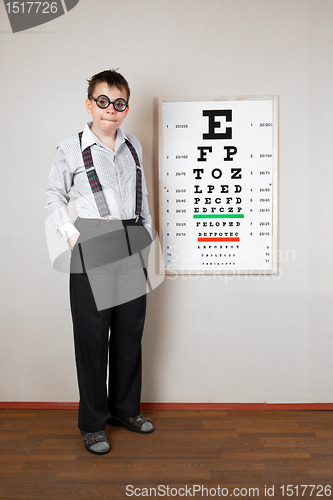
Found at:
<point>218,216</point>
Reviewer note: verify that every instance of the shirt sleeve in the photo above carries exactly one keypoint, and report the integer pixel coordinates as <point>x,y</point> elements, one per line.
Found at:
<point>57,195</point>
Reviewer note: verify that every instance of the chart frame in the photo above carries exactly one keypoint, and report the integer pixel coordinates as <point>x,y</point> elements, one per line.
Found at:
<point>274,176</point>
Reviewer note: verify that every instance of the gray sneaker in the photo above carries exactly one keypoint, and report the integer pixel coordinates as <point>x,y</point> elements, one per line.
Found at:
<point>96,442</point>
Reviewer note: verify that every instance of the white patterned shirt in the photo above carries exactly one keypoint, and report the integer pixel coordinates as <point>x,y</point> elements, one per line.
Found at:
<point>116,171</point>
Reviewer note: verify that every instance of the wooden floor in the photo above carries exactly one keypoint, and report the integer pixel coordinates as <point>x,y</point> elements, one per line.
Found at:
<point>42,456</point>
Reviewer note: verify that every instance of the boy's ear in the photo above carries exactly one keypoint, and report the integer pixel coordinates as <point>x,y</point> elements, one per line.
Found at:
<point>88,106</point>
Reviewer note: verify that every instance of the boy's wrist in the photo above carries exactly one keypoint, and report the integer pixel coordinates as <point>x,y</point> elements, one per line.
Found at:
<point>72,240</point>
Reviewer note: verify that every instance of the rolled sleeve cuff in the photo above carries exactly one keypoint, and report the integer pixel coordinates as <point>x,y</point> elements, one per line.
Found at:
<point>149,228</point>
<point>68,230</point>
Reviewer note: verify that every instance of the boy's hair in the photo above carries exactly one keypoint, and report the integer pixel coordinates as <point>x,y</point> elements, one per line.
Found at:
<point>112,78</point>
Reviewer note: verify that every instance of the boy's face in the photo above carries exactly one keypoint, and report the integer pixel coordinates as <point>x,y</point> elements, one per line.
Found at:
<point>106,121</point>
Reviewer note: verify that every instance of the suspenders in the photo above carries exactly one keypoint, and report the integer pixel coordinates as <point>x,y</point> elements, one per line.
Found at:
<point>96,185</point>
<point>138,199</point>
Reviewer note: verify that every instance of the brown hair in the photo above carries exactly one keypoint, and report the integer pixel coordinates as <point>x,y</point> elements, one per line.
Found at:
<point>112,78</point>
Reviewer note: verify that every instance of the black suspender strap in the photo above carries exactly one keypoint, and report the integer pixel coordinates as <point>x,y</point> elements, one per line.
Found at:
<point>138,201</point>
<point>96,186</point>
<point>94,181</point>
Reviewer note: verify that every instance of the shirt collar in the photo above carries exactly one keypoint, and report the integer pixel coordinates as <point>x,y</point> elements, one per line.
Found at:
<point>89,138</point>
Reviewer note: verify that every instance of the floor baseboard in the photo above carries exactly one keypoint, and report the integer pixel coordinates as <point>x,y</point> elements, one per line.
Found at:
<point>44,405</point>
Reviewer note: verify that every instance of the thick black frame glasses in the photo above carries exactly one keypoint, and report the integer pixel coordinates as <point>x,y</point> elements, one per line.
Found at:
<point>104,102</point>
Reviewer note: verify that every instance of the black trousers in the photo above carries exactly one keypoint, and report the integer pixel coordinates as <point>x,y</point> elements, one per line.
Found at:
<point>108,304</point>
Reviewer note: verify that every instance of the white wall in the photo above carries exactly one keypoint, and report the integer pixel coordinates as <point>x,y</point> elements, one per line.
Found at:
<point>207,339</point>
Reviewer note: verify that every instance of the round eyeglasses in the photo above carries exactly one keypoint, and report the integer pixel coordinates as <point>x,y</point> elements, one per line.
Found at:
<point>104,102</point>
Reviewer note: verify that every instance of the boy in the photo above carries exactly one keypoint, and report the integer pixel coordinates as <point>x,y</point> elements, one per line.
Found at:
<point>110,244</point>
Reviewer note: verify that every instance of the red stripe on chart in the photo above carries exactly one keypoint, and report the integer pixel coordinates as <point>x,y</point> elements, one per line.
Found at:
<point>217,239</point>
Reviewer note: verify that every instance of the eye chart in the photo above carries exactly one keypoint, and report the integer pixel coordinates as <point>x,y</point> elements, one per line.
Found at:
<point>218,185</point>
